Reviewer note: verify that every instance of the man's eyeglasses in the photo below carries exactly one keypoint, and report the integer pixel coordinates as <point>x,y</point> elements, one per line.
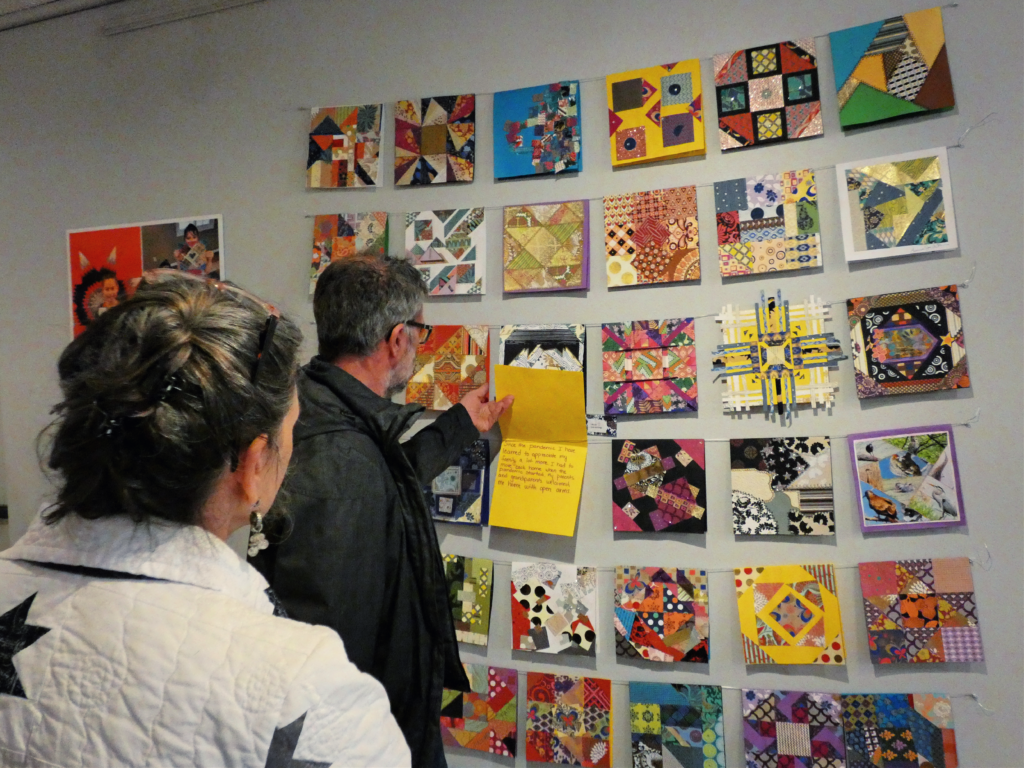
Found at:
<point>425,330</point>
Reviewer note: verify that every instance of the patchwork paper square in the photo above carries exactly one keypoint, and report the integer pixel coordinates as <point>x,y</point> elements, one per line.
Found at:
<point>568,720</point>
<point>789,614</point>
<point>650,366</point>
<point>483,718</point>
<point>651,237</point>
<point>460,493</point>
<point>470,582</point>
<point>659,486</point>
<point>537,130</point>
<point>793,729</point>
<point>655,113</point>
<point>547,247</point>
<point>677,726</point>
<point>661,614</point>
<point>453,361</point>
<point>435,140</point>
<point>921,611</point>
<point>344,146</point>
<point>338,236</point>
<point>449,248</point>
<point>768,94</point>
<point>907,479</point>
<point>892,69</point>
<point>768,224</point>
<point>554,347</point>
<point>908,343</point>
<point>554,608</point>
<point>776,356</point>
<point>782,486</point>
<point>896,206</point>
<point>892,730</point>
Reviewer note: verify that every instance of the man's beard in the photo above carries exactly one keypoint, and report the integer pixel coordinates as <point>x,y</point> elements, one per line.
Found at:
<point>399,376</point>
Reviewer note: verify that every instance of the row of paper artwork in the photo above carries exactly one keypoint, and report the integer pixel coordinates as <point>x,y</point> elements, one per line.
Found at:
<point>891,69</point>
<point>569,722</point>
<point>892,206</point>
<point>916,611</point>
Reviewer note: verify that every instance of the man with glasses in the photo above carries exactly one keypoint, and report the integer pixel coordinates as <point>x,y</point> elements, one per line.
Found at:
<point>361,555</point>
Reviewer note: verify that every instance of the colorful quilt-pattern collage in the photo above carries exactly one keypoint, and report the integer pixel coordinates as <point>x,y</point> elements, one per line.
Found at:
<point>344,146</point>
<point>449,248</point>
<point>659,486</point>
<point>676,726</point>
<point>921,611</point>
<point>650,366</point>
<point>568,720</point>
<point>795,729</point>
<point>470,584</point>
<point>346,234</point>
<point>891,69</point>
<point>553,347</point>
<point>435,140</point>
<point>656,113</point>
<point>768,224</point>
<point>651,237</point>
<point>789,614</point>
<point>782,486</point>
<point>546,247</point>
<point>554,608</point>
<point>537,130</point>
<point>454,360</point>
<point>908,343</point>
<point>893,730</point>
<point>459,493</point>
<point>768,94</point>
<point>483,718</point>
<point>661,614</point>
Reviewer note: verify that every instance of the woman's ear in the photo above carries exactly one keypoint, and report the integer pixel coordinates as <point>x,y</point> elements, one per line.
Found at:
<point>253,462</point>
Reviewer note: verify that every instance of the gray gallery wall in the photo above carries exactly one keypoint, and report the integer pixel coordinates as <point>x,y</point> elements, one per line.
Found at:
<point>205,116</point>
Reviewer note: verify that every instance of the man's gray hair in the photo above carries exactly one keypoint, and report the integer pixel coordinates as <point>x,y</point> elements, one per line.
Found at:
<point>360,299</point>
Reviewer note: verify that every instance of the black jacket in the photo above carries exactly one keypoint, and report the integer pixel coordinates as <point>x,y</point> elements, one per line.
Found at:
<point>362,556</point>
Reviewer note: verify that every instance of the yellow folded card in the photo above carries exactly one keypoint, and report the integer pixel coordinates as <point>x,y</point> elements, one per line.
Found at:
<point>543,451</point>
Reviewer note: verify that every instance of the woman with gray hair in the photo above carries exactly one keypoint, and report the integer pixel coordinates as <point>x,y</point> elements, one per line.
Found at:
<point>130,633</point>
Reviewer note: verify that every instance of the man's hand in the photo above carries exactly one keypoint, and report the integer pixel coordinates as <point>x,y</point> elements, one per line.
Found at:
<point>483,413</point>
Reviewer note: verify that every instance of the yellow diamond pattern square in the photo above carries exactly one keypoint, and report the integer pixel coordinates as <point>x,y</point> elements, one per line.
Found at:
<point>769,126</point>
<point>764,61</point>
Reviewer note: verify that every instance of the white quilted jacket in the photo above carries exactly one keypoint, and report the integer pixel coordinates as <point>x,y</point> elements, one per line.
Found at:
<point>186,666</point>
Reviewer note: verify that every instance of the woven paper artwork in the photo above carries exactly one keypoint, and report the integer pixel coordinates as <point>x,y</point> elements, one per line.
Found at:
<point>547,247</point>
<point>651,237</point>
<point>921,611</point>
<point>435,140</point>
<point>891,69</point>
<point>908,343</point>
<point>537,130</point>
<point>345,234</point>
<point>661,614</point>
<point>484,718</point>
<point>793,729</point>
<point>894,730</point>
<point>344,146</point>
<point>907,479</point>
<point>676,726</point>
<point>558,347</point>
<point>470,581</point>
<point>789,614</point>
<point>659,486</point>
<point>655,113</point>
<point>776,356</point>
<point>453,361</point>
<point>449,249</point>
<point>554,608</point>
<point>768,224</point>
<point>650,366</point>
<point>782,486</point>
<point>768,94</point>
<point>568,720</point>
<point>459,493</point>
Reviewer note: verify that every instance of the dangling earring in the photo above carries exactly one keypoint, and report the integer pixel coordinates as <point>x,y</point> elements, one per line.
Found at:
<point>257,540</point>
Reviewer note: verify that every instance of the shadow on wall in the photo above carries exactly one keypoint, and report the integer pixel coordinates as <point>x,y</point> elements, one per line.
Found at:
<point>5,534</point>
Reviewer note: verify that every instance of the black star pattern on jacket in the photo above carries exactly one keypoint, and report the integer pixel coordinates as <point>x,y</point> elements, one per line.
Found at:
<point>282,747</point>
<point>16,636</point>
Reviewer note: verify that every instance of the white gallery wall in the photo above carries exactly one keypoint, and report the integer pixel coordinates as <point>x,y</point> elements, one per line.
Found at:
<point>206,116</point>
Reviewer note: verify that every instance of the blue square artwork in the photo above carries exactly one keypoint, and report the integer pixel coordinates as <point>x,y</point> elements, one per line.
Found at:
<point>459,493</point>
<point>537,130</point>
